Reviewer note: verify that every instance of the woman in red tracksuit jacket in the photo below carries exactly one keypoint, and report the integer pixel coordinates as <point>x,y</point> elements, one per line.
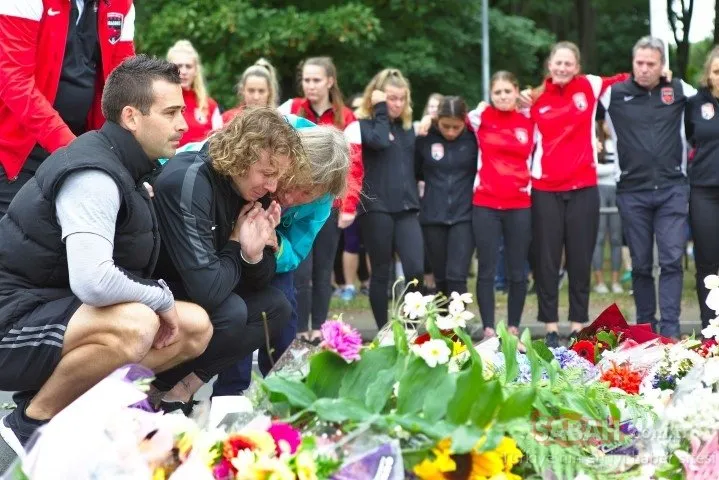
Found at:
<point>502,202</point>
<point>202,113</point>
<point>322,104</point>
<point>565,199</point>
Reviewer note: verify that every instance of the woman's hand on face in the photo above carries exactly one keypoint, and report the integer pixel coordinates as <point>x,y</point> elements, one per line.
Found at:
<point>378,96</point>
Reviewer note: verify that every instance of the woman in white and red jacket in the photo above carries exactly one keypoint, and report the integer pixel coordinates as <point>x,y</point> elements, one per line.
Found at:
<point>202,113</point>
<point>502,202</point>
<point>34,36</point>
<point>322,104</point>
<point>565,199</point>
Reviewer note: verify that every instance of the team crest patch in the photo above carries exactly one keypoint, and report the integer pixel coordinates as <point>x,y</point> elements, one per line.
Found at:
<point>522,135</point>
<point>667,95</point>
<point>437,151</point>
<point>114,26</point>
<point>580,101</point>
<point>707,111</point>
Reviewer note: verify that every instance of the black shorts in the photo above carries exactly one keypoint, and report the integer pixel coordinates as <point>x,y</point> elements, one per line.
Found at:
<point>31,349</point>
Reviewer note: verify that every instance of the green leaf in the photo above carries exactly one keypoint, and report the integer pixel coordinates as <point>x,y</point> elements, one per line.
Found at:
<point>417,424</point>
<point>543,350</point>
<point>608,338</point>
<point>297,393</point>
<point>518,405</point>
<point>400,338</point>
<point>379,391</point>
<point>460,406</point>
<point>535,362</point>
<point>436,400</point>
<point>465,438</point>
<point>417,382</point>
<point>489,399</point>
<point>340,410</point>
<point>509,350</point>
<point>327,369</point>
<point>364,372</point>
<point>474,355</point>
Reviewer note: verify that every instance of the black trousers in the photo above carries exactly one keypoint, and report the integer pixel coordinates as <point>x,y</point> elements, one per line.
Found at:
<point>704,220</point>
<point>449,250</point>
<point>313,277</point>
<point>238,331</point>
<point>384,234</point>
<point>9,189</point>
<point>564,221</point>
<point>515,227</point>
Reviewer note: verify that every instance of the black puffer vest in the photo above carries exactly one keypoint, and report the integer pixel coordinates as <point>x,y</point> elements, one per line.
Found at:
<point>33,258</point>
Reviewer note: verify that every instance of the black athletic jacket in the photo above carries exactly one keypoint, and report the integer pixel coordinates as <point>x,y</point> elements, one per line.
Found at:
<point>701,120</point>
<point>448,170</point>
<point>389,184</point>
<point>197,209</point>
<point>648,126</point>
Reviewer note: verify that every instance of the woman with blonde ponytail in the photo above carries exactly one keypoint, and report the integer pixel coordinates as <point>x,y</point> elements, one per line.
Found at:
<point>257,87</point>
<point>201,111</point>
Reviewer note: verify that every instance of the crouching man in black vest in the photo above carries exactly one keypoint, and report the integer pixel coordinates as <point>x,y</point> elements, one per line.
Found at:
<point>217,220</point>
<point>78,246</point>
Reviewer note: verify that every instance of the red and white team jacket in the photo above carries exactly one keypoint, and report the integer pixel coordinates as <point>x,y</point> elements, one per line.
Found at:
<point>33,34</point>
<point>565,158</point>
<point>505,142</point>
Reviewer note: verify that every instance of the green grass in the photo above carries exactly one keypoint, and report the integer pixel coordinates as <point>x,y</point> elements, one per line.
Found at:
<point>625,301</point>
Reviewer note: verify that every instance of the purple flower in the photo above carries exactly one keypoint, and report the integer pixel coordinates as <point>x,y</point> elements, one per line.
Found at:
<point>342,339</point>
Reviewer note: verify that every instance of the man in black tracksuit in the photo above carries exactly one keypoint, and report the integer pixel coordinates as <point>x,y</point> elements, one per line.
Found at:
<point>214,235</point>
<point>646,115</point>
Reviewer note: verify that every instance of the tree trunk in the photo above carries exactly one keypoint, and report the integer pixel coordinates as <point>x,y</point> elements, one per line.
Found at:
<point>680,22</point>
<point>587,29</point>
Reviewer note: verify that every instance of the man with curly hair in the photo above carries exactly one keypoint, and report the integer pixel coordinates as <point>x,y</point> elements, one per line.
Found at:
<point>217,223</point>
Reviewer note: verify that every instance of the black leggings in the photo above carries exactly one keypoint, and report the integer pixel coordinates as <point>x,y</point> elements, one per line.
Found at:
<point>449,250</point>
<point>238,331</point>
<point>566,221</point>
<point>704,219</point>
<point>385,233</point>
<point>490,226</point>
<point>313,277</point>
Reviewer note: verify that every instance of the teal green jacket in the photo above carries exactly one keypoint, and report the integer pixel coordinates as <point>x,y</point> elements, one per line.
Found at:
<point>299,224</point>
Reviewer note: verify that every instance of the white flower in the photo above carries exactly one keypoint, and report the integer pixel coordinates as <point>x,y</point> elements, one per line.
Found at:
<point>712,331</point>
<point>456,306</point>
<point>464,297</point>
<point>711,371</point>
<point>448,322</point>
<point>415,305</point>
<point>711,282</point>
<point>713,300</point>
<point>434,352</point>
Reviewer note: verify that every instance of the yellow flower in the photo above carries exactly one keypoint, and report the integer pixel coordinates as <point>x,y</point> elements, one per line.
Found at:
<point>184,444</point>
<point>306,468</point>
<point>159,474</point>
<point>435,469</point>
<point>505,476</point>
<point>457,348</point>
<point>428,470</point>
<point>485,465</point>
<point>272,469</point>
<point>264,443</point>
<point>508,451</point>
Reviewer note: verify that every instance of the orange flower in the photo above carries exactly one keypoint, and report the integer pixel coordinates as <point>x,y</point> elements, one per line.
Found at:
<point>623,377</point>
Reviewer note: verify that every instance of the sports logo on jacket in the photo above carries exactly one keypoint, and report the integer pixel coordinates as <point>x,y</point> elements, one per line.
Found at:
<point>707,111</point>
<point>200,117</point>
<point>580,101</point>
<point>437,151</point>
<point>114,26</point>
<point>521,135</point>
<point>667,95</point>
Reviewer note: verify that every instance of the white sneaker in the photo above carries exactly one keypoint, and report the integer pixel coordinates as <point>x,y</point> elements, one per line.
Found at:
<point>601,288</point>
<point>616,288</point>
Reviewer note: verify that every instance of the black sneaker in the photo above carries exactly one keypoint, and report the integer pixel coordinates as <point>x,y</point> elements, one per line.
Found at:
<point>552,339</point>
<point>185,407</point>
<point>16,428</point>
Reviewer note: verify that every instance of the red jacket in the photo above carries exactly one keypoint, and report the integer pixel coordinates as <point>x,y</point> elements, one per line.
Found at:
<point>33,34</point>
<point>349,203</point>
<point>505,146</point>
<point>565,158</point>
<point>199,126</point>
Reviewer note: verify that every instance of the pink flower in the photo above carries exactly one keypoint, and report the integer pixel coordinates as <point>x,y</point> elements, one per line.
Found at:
<point>286,437</point>
<point>342,339</point>
<point>223,470</point>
